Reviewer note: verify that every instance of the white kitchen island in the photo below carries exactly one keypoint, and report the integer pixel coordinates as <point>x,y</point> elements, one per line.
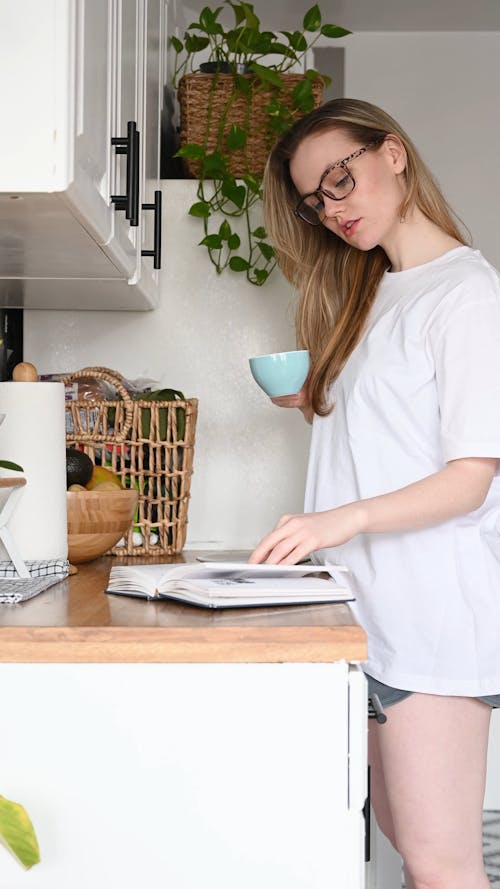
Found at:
<point>157,745</point>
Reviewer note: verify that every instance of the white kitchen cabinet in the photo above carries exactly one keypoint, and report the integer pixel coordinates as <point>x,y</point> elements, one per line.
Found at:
<point>187,775</point>
<point>88,72</point>
<point>153,76</point>
<point>78,71</point>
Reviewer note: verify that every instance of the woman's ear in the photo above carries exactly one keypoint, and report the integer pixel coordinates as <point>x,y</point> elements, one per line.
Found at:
<point>396,153</point>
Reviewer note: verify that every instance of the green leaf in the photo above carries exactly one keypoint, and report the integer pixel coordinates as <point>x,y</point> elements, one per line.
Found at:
<point>302,95</point>
<point>274,108</point>
<point>214,165</point>
<point>195,44</point>
<point>214,242</point>
<point>259,232</point>
<point>239,13</point>
<point>250,17</point>
<point>201,209</point>
<point>312,74</point>
<point>225,230</point>
<point>260,276</point>
<point>256,42</point>
<point>312,19</point>
<point>177,44</point>
<point>266,250</point>
<point>298,41</point>
<point>236,138</point>
<point>268,75</point>
<point>242,84</point>
<point>192,150</point>
<point>334,31</point>
<point>17,833</point>
<point>281,49</point>
<point>233,38</point>
<point>208,20</point>
<point>235,193</point>
<point>233,241</point>
<point>238,264</point>
<point>252,183</point>
<point>7,464</point>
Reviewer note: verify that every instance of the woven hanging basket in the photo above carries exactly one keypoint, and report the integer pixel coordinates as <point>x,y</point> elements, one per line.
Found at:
<point>198,93</point>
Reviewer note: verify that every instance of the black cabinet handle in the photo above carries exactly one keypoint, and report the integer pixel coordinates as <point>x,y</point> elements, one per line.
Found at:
<point>156,252</point>
<point>366,815</point>
<point>129,145</point>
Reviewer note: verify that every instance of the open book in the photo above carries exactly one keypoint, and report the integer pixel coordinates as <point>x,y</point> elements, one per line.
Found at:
<point>229,584</point>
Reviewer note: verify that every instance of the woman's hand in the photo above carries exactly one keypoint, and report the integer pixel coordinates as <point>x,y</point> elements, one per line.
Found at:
<point>300,400</point>
<point>296,536</point>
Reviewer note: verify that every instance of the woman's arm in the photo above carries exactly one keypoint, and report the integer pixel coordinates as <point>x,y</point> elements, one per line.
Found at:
<point>459,488</point>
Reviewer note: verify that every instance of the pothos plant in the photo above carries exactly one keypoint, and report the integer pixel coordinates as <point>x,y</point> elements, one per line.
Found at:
<point>267,57</point>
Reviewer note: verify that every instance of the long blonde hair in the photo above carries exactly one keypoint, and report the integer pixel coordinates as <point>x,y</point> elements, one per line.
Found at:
<point>337,282</point>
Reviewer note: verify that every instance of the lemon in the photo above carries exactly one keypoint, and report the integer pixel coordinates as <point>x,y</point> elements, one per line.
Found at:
<point>102,474</point>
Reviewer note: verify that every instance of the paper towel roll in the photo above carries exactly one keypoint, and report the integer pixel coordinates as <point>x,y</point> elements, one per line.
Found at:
<point>33,434</point>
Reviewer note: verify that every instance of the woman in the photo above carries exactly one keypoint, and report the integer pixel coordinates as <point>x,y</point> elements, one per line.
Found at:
<point>402,320</point>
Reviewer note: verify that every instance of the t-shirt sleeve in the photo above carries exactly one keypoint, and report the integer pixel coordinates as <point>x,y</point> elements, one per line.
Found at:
<point>465,343</point>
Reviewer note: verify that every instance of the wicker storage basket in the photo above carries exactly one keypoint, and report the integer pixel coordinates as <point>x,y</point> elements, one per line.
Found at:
<point>198,92</point>
<point>150,445</point>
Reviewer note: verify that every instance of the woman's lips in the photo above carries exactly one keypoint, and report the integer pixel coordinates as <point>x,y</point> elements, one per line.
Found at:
<point>350,227</point>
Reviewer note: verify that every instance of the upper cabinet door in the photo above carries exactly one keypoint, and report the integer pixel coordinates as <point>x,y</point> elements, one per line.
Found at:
<point>125,111</point>
<point>89,191</point>
<point>37,95</point>
<point>153,57</point>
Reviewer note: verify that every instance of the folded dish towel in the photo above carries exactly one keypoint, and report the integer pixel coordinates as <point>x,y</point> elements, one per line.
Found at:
<point>43,574</point>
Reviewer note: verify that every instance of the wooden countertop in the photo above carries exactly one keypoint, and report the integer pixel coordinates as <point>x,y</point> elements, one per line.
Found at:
<point>75,621</point>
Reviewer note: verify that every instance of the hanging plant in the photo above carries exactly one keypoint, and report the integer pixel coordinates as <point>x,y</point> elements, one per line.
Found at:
<point>230,120</point>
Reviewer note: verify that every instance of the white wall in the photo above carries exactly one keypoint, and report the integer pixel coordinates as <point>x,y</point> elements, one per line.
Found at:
<point>444,89</point>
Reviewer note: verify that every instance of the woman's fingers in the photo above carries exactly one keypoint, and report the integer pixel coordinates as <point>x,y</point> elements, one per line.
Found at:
<point>280,544</point>
<point>286,401</point>
<point>298,399</point>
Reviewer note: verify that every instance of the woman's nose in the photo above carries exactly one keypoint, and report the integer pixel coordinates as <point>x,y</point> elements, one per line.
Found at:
<point>333,208</point>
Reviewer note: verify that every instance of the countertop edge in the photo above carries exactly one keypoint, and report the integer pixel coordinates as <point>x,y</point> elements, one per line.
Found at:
<point>181,644</point>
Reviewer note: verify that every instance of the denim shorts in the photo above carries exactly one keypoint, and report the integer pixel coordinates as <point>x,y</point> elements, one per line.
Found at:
<point>388,695</point>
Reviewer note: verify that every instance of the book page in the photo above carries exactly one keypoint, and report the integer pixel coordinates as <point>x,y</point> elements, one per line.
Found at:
<point>150,580</point>
<point>249,587</point>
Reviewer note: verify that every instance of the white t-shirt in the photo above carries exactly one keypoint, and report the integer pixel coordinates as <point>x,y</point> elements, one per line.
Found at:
<point>421,388</point>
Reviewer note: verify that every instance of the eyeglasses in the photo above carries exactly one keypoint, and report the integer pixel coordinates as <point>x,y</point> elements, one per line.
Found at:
<point>336,183</point>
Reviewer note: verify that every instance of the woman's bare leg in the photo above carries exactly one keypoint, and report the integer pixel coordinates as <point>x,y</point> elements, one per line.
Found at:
<point>428,779</point>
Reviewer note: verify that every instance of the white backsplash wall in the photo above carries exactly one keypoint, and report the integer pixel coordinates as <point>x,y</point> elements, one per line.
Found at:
<point>250,456</point>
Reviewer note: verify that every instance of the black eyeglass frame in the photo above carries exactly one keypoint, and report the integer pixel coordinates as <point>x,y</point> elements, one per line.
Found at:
<point>320,190</point>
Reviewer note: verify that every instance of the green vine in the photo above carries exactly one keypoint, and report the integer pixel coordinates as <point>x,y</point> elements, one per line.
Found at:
<point>236,198</point>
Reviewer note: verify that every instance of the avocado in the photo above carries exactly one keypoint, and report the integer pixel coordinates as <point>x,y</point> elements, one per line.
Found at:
<point>79,467</point>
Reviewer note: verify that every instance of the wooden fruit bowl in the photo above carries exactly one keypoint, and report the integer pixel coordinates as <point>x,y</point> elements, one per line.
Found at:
<point>97,520</point>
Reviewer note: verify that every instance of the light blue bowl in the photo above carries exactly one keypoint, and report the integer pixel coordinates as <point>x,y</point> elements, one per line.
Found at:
<point>281,373</point>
